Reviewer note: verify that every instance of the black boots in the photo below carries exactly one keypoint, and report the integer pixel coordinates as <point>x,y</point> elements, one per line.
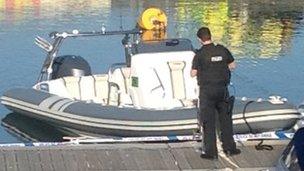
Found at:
<point>209,157</point>
<point>232,152</point>
<point>215,157</point>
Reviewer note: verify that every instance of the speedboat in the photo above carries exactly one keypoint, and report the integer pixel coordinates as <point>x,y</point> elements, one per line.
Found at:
<point>150,94</point>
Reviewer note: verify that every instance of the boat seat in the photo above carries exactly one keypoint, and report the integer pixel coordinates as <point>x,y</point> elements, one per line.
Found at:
<point>118,78</point>
<point>125,97</point>
<point>73,86</point>
<point>92,88</point>
<point>162,80</point>
<point>126,72</point>
<point>87,88</point>
<point>56,87</point>
<point>177,79</point>
<point>101,88</point>
<point>119,87</point>
<point>178,83</point>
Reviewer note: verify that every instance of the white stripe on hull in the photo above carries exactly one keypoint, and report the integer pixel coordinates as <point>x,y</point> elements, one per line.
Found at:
<point>59,104</point>
<point>46,103</point>
<point>106,121</point>
<point>263,113</point>
<point>103,125</point>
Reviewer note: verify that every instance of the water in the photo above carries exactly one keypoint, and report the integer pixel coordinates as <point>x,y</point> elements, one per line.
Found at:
<point>266,38</point>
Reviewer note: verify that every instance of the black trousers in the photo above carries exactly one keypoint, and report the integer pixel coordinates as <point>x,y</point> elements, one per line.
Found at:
<point>213,101</point>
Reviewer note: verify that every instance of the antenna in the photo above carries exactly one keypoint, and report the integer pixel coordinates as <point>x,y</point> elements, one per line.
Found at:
<point>120,16</point>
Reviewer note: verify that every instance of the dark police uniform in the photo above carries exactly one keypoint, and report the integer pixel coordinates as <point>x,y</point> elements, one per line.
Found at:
<point>211,63</point>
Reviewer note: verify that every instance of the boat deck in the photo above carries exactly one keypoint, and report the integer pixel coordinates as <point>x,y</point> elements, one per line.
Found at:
<point>134,156</point>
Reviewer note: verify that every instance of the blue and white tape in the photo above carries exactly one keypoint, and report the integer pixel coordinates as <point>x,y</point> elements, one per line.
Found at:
<point>37,144</point>
<point>278,135</point>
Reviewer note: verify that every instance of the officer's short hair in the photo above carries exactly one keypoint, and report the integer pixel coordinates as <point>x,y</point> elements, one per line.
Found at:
<point>204,34</point>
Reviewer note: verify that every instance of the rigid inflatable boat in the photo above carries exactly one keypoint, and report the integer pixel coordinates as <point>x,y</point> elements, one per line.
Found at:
<point>150,94</point>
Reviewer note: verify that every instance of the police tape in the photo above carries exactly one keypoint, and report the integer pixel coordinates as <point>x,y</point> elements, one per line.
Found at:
<point>90,140</point>
<point>278,135</point>
<point>37,144</point>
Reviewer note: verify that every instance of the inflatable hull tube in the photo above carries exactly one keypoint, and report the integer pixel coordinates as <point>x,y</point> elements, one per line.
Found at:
<point>94,119</point>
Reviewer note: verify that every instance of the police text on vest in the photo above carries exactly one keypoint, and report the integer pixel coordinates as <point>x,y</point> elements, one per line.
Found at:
<point>216,58</point>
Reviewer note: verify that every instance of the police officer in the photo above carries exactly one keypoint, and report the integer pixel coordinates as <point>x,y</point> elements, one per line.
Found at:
<point>212,65</point>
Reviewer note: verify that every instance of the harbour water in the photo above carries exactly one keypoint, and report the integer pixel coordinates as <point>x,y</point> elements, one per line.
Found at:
<point>266,38</point>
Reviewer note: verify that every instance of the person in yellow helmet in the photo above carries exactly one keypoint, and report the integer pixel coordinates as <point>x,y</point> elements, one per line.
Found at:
<point>212,65</point>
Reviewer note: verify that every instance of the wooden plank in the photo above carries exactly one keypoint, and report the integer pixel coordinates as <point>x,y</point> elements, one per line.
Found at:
<point>225,162</point>
<point>92,160</point>
<point>34,159</point>
<point>139,158</point>
<point>110,159</point>
<point>10,159</point>
<point>128,159</point>
<point>157,158</point>
<point>57,159</point>
<point>2,160</point>
<point>269,158</point>
<point>22,160</point>
<point>195,162</point>
<point>148,159</point>
<point>255,156</point>
<point>250,157</point>
<point>80,158</point>
<point>46,161</point>
<point>246,158</point>
<point>169,160</point>
<point>70,160</point>
<point>278,151</point>
<point>262,157</point>
<point>181,160</point>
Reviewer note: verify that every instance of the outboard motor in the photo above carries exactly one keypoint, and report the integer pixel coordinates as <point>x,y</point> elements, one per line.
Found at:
<point>70,65</point>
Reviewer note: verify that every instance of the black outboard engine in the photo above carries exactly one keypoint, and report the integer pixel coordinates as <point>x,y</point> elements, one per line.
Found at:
<point>70,65</point>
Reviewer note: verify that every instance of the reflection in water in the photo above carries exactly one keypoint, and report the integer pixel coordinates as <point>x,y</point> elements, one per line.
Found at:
<point>216,18</point>
<point>270,39</point>
<point>31,130</point>
<point>247,33</point>
<point>16,11</point>
<point>249,29</point>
